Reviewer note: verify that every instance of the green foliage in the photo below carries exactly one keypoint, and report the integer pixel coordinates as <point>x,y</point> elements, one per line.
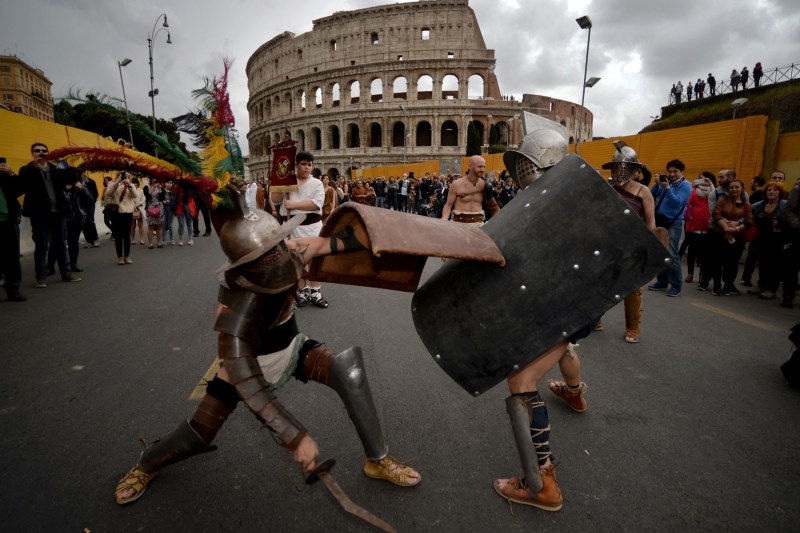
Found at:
<point>95,114</point>
<point>497,148</point>
<point>494,135</point>
<point>473,140</point>
<point>64,113</point>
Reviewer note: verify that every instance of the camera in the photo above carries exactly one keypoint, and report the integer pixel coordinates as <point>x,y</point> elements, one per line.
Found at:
<point>662,177</point>
<point>2,160</point>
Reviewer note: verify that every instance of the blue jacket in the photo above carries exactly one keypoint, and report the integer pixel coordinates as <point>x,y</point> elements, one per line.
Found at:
<point>671,203</point>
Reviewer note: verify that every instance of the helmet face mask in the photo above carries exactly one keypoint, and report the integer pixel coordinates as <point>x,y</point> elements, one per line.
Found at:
<point>624,164</point>
<point>258,259</point>
<point>526,172</point>
<point>622,172</point>
<point>275,271</point>
<point>540,150</point>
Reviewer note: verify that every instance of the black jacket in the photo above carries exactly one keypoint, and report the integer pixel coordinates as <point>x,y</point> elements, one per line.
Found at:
<point>37,202</point>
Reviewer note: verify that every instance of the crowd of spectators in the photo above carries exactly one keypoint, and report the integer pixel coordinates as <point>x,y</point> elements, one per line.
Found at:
<point>719,221</point>
<point>407,193</point>
<point>60,203</point>
<point>739,80</point>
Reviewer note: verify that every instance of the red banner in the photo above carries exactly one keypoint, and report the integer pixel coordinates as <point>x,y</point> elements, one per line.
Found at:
<point>282,177</point>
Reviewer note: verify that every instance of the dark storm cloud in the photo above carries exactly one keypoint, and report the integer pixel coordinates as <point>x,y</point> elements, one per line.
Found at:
<point>639,48</point>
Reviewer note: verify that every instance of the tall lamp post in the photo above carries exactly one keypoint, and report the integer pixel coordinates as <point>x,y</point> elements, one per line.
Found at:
<point>585,23</point>
<point>124,63</point>
<point>150,43</point>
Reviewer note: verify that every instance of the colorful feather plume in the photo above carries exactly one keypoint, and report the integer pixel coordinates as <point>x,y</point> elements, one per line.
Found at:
<point>210,126</point>
<point>122,158</point>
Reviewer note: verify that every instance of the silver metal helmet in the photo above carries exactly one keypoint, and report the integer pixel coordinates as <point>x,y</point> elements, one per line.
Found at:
<point>258,260</point>
<point>624,164</point>
<point>544,145</point>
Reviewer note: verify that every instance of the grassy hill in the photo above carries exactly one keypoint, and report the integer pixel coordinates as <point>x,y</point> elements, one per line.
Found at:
<point>779,102</point>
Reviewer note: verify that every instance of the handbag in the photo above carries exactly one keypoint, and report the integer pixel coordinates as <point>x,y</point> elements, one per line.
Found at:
<point>111,209</point>
<point>750,232</point>
<point>154,211</point>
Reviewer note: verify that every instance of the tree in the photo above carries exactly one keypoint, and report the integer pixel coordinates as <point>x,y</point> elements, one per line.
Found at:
<point>473,140</point>
<point>494,134</point>
<point>64,113</point>
<point>99,118</point>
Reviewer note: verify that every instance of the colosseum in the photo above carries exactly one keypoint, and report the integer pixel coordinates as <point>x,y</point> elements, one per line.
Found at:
<point>387,85</point>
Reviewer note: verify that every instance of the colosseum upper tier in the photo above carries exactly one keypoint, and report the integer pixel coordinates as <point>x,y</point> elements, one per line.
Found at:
<point>386,85</point>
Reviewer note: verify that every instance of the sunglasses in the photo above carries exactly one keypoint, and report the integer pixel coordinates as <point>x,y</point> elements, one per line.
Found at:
<point>40,150</point>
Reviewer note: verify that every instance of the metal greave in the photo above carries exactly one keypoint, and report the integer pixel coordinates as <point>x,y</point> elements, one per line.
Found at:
<point>520,413</point>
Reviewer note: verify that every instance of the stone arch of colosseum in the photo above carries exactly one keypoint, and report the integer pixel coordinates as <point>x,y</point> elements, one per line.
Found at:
<point>384,85</point>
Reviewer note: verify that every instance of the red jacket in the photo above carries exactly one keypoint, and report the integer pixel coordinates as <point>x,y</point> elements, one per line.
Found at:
<point>697,216</point>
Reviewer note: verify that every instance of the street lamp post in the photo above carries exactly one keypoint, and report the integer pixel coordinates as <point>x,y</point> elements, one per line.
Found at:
<point>124,63</point>
<point>150,43</point>
<point>584,22</point>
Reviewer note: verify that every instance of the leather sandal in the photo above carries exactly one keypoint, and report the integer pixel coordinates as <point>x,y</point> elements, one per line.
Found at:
<point>136,480</point>
<point>392,470</point>
<point>631,337</point>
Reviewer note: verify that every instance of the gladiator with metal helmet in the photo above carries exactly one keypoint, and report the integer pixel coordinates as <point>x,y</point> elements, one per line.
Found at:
<point>564,266</point>
<point>625,168</point>
<point>261,348</point>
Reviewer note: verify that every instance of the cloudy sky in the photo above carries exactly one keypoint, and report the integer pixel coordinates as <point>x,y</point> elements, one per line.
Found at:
<point>639,47</point>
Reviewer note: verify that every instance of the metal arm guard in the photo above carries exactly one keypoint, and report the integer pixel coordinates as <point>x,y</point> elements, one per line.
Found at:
<point>519,411</point>
<point>239,360</point>
<point>345,373</point>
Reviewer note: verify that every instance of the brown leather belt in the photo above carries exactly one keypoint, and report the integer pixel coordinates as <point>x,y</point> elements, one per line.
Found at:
<point>311,218</point>
<point>467,217</point>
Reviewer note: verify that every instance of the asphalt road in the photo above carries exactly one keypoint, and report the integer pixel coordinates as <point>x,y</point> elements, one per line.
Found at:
<point>693,429</point>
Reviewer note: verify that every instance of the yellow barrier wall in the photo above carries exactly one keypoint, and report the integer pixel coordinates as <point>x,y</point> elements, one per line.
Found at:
<point>738,144</point>
<point>787,156</point>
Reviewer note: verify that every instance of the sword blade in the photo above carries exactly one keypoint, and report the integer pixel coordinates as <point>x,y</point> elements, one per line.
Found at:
<point>350,506</point>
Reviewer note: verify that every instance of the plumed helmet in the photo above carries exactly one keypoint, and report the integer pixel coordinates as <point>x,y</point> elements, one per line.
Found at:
<point>540,150</point>
<point>624,164</point>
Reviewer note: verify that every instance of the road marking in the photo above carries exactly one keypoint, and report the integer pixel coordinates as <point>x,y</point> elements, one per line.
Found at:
<point>736,316</point>
<point>200,390</point>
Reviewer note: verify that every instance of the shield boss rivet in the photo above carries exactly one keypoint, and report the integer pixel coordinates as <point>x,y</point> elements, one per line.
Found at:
<point>576,266</point>
<point>627,211</point>
<point>523,287</point>
<point>597,253</point>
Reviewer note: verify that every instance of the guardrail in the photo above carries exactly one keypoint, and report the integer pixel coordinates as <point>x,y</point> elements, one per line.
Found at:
<point>771,76</point>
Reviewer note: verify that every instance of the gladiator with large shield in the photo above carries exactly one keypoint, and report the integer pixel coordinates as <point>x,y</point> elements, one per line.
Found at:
<point>554,259</point>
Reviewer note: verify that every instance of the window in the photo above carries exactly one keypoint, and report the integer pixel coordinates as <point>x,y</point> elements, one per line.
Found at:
<point>400,57</point>
<point>8,96</point>
<point>374,38</point>
<point>299,55</point>
<point>4,68</point>
<point>451,55</point>
<point>426,34</point>
<point>333,45</point>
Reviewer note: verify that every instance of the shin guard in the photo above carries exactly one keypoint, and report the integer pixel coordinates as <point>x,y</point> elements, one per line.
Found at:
<point>519,412</point>
<point>345,373</point>
<point>182,443</point>
<point>218,403</point>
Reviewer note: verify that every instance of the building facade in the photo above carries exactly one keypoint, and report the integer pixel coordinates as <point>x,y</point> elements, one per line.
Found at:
<point>384,85</point>
<point>25,89</point>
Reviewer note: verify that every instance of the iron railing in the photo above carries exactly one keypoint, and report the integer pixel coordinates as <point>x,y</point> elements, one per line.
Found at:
<point>771,77</point>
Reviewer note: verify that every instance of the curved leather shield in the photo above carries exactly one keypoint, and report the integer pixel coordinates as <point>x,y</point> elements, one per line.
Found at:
<point>573,250</point>
<point>399,246</point>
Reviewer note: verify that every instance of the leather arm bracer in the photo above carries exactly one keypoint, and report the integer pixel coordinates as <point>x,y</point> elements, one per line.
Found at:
<point>239,360</point>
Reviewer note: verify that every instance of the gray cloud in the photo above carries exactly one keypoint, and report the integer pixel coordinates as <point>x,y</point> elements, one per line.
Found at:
<point>639,48</point>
